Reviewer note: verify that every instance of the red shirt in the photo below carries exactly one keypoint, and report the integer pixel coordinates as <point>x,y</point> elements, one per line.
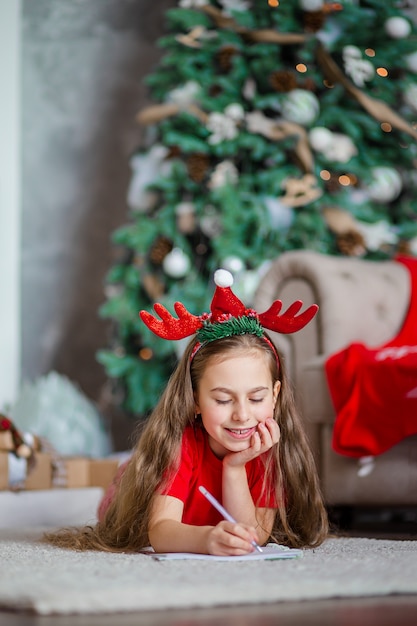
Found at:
<point>200,466</point>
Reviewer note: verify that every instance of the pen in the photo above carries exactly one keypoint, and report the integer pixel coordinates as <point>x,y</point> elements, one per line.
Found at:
<point>223,511</point>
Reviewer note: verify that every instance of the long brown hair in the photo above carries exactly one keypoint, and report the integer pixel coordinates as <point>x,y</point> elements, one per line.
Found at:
<point>301,519</point>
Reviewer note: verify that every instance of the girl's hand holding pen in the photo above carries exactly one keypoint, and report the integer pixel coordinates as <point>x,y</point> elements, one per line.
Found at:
<point>229,535</point>
<point>231,539</point>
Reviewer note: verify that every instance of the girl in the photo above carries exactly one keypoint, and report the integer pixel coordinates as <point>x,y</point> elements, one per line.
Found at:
<point>226,421</point>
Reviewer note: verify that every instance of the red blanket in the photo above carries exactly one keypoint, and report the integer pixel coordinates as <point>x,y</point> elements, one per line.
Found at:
<point>374,391</point>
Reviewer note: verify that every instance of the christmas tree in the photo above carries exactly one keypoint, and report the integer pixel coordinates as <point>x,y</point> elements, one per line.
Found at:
<point>275,125</point>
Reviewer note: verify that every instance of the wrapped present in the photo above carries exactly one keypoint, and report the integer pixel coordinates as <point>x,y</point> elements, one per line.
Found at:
<point>75,472</point>
<point>39,475</point>
<point>102,472</point>
<point>31,462</point>
<point>22,464</point>
<point>12,440</point>
<point>17,473</point>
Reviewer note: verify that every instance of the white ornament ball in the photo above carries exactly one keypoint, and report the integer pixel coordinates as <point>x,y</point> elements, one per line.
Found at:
<point>397,27</point>
<point>301,107</point>
<point>386,184</point>
<point>280,215</point>
<point>234,264</point>
<point>210,222</point>
<point>411,62</point>
<point>223,278</point>
<point>320,138</point>
<point>410,97</point>
<point>311,5</point>
<point>176,264</point>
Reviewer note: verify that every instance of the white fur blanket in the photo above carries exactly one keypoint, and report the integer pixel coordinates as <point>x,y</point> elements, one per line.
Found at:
<point>47,580</point>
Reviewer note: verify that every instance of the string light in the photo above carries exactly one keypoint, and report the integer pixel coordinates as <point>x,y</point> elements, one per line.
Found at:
<point>300,67</point>
<point>273,3</point>
<point>328,84</point>
<point>325,175</point>
<point>370,52</point>
<point>332,6</point>
<point>344,180</point>
<point>386,127</point>
<point>382,71</point>
<point>145,354</point>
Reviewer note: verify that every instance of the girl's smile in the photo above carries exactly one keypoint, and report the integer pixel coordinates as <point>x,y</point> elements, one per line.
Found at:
<point>236,396</point>
<point>242,433</point>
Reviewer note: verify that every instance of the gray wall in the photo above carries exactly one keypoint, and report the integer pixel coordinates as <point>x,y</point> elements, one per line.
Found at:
<point>83,63</point>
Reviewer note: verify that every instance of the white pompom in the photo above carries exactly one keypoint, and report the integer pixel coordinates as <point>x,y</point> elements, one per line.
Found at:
<point>223,278</point>
<point>351,52</point>
<point>320,138</point>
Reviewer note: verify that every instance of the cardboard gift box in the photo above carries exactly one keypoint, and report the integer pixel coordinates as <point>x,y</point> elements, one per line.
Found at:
<point>102,472</point>
<point>4,470</point>
<point>18,473</point>
<point>40,476</point>
<point>46,472</point>
<point>75,472</point>
<point>72,472</point>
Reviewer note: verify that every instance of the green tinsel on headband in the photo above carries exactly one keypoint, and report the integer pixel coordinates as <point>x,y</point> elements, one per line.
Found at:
<point>235,326</point>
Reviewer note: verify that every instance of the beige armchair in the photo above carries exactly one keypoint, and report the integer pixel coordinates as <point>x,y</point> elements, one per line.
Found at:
<point>359,300</point>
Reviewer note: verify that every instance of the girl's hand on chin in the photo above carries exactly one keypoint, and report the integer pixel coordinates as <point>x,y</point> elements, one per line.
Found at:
<point>267,435</point>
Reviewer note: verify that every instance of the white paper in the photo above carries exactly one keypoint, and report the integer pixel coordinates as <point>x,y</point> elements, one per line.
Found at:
<point>270,552</point>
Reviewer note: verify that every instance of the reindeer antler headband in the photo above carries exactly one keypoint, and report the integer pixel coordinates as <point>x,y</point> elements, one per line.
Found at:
<point>228,317</point>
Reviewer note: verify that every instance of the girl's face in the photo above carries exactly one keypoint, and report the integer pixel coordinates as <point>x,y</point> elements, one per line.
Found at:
<point>234,395</point>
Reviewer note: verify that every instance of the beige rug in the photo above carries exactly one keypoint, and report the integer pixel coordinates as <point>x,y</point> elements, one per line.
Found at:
<point>47,580</point>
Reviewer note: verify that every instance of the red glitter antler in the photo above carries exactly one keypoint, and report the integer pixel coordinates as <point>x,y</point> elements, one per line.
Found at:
<point>289,321</point>
<point>225,305</point>
<point>169,327</point>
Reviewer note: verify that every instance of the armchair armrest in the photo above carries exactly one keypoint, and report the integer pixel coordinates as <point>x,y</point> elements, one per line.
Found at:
<point>360,301</point>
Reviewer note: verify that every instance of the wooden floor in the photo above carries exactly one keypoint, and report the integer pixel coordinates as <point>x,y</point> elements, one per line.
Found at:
<point>384,611</point>
<point>387,611</point>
